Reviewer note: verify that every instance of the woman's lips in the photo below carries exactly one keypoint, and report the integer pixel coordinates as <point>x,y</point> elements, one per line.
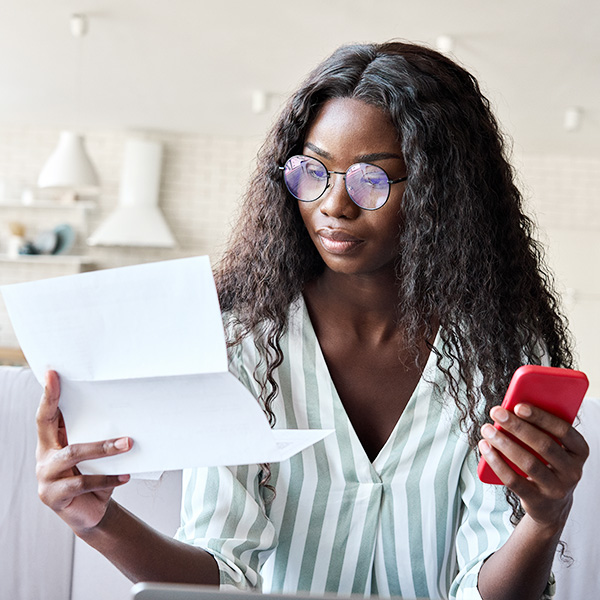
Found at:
<point>337,241</point>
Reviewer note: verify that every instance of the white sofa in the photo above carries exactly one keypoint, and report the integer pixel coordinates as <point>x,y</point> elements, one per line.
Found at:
<point>41,560</point>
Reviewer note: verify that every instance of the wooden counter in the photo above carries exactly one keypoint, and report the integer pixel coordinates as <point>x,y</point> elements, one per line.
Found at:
<point>12,356</point>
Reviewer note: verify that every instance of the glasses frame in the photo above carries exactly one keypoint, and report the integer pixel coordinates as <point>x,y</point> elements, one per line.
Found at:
<point>343,173</point>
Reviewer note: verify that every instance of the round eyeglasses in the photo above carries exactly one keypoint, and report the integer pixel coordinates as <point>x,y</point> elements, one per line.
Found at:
<point>307,178</point>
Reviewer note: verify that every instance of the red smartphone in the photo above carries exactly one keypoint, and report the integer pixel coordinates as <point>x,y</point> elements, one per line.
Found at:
<point>558,391</point>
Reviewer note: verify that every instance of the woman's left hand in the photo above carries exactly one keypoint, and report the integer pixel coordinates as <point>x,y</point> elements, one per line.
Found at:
<point>547,493</point>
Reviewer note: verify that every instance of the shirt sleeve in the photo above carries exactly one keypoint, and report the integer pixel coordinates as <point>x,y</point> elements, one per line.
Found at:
<point>223,509</point>
<point>223,513</point>
<point>485,524</point>
<point>485,527</point>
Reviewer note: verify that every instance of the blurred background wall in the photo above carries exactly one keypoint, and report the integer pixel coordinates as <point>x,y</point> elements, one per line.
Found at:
<point>206,80</point>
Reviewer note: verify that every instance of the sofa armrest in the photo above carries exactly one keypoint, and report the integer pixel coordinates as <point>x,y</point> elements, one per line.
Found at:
<point>36,547</point>
<point>582,533</point>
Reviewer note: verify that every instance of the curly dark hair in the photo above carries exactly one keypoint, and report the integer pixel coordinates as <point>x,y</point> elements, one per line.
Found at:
<point>466,256</point>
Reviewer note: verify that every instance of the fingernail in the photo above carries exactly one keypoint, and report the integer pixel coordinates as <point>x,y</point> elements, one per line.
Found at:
<point>499,414</point>
<point>523,410</point>
<point>484,447</point>
<point>124,478</point>
<point>488,431</point>
<point>122,444</point>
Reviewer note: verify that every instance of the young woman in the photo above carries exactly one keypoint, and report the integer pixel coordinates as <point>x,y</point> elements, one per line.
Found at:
<point>382,281</point>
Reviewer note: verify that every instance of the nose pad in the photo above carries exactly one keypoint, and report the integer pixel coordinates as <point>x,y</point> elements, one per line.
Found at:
<point>336,202</point>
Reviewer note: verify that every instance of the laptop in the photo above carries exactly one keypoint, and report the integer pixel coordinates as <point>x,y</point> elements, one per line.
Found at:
<point>180,591</point>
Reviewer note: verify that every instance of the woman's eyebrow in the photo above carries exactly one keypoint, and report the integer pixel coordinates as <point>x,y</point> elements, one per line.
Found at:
<point>318,150</point>
<point>375,156</point>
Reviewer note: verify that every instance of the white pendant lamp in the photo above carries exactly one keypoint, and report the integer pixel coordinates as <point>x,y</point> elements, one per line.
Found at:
<point>137,220</point>
<point>69,167</point>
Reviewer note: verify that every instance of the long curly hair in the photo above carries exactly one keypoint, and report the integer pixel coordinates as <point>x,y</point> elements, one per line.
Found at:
<point>466,256</point>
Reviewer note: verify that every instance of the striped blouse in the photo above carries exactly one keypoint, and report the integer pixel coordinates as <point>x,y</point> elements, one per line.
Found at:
<point>415,522</point>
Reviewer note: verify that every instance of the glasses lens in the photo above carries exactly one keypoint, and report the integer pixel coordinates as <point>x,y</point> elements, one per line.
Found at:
<point>305,178</point>
<point>367,185</point>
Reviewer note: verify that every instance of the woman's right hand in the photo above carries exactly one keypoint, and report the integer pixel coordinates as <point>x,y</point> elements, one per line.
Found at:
<point>80,500</point>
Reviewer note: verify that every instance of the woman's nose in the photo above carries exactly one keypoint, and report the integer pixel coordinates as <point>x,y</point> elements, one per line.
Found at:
<point>336,202</point>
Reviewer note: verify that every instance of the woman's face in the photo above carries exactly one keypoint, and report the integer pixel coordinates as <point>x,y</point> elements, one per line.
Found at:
<point>349,239</point>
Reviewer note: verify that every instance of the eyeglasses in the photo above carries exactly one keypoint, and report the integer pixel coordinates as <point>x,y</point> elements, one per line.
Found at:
<point>307,178</point>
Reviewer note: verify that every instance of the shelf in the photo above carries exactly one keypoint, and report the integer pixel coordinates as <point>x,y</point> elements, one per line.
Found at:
<point>47,259</point>
<point>52,204</point>
<point>78,208</point>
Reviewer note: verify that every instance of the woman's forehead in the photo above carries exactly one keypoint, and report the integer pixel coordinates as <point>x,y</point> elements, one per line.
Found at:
<point>345,127</point>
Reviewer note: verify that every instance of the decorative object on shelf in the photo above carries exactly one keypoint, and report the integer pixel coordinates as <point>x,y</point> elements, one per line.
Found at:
<point>16,238</point>
<point>54,241</point>
<point>28,249</point>
<point>137,220</point>
<point>65,238</point>
<point>17,248</point>
<point>45,242</point>
<point>69,168</point>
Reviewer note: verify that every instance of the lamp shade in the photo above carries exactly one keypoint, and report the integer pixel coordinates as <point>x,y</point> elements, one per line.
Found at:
<point>137,220</point>
<point>69,167</point>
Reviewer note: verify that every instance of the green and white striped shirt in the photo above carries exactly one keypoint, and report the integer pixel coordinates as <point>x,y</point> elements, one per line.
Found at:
<point>416,522</point>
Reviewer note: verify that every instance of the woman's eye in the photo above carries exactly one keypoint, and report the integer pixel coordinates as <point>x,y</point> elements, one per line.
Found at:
<point>316,172</point>
<point>375,179</point>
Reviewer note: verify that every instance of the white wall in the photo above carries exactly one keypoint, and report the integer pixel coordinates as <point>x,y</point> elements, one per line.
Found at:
<point>204,176</point>
<point>202,180</point>
<point>565,195</point>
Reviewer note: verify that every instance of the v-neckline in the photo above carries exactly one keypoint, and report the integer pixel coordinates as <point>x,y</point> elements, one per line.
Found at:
<point>378,462</point>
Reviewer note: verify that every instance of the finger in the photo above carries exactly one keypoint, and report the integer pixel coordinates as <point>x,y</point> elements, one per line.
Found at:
<point>521,457</point>
<point>563,431</point>
<point>48,414</point>
<point>68,457</point>
<point>546,446</point>
<point>60,494</point>
<point>63,438</point>
<point>509,477</point>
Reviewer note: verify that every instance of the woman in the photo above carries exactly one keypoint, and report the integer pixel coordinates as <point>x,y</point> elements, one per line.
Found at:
<point>382,281</point>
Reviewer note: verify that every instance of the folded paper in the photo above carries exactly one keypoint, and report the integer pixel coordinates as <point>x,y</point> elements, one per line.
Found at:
<point>141,352</point>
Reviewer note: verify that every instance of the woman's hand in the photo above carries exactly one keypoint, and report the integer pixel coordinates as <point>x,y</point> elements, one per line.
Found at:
<point>80,500</point>
<point>547,493</point>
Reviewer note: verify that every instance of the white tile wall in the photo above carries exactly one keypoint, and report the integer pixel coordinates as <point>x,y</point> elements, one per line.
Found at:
<point>565,190</point>
<point>203,178</point>
<point>564,193</point>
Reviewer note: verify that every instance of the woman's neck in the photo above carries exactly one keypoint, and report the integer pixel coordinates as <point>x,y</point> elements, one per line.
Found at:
<point>366,304</point>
